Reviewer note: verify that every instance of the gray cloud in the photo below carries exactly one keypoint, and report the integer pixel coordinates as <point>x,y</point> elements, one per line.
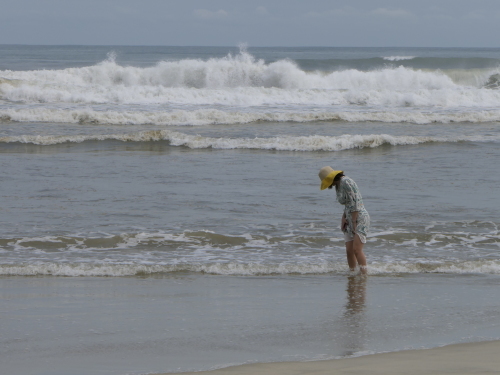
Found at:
<point>208,14</point>
<point>393,13</point>
<point>262,11</point>
<point>344,11</point>
<point>274,22</point>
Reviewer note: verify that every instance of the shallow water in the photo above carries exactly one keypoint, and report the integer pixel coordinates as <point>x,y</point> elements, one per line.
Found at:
<point>114,208</point>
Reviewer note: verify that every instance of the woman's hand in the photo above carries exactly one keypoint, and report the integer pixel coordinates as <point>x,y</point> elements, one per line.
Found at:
<point>343,225</point>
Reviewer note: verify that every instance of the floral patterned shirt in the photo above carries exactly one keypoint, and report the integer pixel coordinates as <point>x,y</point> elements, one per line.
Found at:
<point>348,195</point>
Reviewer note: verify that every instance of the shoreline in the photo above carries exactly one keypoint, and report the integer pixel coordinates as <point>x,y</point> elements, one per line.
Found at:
<point>459,359</point>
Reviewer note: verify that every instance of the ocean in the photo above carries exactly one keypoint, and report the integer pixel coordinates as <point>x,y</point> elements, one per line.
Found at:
<point>160,207</point>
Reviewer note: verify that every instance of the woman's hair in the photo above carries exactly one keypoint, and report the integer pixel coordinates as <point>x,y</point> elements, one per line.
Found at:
<point>337,178</point>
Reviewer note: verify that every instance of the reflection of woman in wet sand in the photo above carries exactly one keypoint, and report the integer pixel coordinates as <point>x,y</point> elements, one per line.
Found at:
<point>356,295</point>
<point>355,220</point>
<point>353,318</point>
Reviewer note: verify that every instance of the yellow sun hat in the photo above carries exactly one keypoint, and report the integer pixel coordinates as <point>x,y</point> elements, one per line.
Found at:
<point>326,175</point>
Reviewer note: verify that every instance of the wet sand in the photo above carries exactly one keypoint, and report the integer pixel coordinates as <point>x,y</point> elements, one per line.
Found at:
<point>459,359</point>
<point>192,322</point>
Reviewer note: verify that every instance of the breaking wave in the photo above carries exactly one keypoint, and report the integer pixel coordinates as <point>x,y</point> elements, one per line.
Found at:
<point>441,247</point>
<point>242,80</point>
<point>398,58</point>
<point>245,269</point>
<point>241,70</point>
<point>202,117</point>
<point>283,143</point>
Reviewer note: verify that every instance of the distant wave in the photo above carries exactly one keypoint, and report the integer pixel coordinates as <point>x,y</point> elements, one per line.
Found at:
<point>398,58</point>
<point>245,269</point>
<point>241,70</point>
<point>282,143</point>
<point>241,80</point>
<point>202,117</point>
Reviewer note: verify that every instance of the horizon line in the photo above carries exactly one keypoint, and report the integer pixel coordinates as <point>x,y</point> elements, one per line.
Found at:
<point>229,46</point>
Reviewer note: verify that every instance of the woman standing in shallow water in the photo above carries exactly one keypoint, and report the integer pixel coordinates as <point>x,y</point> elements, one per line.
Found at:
<point>355,220</point>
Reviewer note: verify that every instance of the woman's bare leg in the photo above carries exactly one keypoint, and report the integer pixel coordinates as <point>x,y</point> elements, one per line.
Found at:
<point>359,254</point>
<point>355,254</point>
<point>351,258</point>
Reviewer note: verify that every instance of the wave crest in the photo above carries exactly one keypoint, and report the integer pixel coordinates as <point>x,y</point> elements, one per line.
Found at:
<point>398,58</point>
<point>202,117</point>
<point>284,143</point>
<point>241,70</point>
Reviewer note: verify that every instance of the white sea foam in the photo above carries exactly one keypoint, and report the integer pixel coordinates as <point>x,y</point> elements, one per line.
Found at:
<point>244,269</point>
<point>463,267</point>
<point>202,117</point>
<point>230,268</point>
<point>418,250</point>
<point>284,143</point>
<point>398,58</point>
<point>242,80</point>
<point>394,88</point>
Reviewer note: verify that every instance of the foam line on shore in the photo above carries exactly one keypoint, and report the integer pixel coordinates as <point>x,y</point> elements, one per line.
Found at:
<point>77,269</point>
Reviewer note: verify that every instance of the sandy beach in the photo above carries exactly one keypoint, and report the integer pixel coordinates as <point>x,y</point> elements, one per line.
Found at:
<point>459,359</point>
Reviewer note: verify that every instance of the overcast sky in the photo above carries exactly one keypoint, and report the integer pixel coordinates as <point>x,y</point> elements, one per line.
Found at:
<point>370,23</point>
